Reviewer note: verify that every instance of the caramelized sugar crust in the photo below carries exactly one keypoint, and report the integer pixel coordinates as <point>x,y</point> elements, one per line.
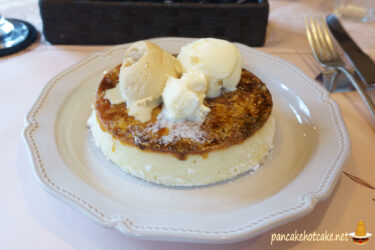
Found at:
<point>234,117</point>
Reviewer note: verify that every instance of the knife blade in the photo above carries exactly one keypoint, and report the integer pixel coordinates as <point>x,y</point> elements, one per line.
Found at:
<point>364,65</point>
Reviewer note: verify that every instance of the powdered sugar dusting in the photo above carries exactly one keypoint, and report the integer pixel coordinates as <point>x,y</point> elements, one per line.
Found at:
<point>177,130</point>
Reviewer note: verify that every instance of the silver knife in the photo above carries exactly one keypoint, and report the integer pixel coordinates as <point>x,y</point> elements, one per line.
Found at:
<point>364,65</point>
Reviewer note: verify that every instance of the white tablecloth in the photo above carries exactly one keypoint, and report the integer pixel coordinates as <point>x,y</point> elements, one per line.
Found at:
<point>32,219</point>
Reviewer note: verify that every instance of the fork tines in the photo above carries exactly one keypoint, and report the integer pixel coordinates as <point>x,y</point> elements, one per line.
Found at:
<point>320,40</point>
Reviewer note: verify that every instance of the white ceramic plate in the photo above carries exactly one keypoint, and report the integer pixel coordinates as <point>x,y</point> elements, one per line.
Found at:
<point>311,145</point>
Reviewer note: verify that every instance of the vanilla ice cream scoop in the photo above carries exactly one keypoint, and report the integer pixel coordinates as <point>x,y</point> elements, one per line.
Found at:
<point>219,60</point>
<point>142,78</point>
<point>183,98</point>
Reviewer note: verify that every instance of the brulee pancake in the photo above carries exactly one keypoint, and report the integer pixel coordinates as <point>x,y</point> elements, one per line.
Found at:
<point>235,136</point>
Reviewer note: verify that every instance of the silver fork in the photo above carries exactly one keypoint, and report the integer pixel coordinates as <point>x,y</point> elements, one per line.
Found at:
<point>327,56</point>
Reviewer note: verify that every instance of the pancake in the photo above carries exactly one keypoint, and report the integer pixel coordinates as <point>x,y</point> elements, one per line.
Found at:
<point>234,117</point>
<point>235,137</point>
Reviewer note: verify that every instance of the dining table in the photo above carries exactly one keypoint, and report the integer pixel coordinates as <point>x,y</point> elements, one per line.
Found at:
<point>31,218</point>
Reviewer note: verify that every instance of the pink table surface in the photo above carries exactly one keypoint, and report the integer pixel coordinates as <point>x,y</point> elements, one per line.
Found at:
<point>32,219</point>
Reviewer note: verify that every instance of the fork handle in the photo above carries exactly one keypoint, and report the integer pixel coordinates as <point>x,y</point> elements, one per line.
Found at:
<point>370,105</point>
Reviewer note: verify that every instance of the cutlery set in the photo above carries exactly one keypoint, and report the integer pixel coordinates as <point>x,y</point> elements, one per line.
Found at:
<point>326,54</point>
